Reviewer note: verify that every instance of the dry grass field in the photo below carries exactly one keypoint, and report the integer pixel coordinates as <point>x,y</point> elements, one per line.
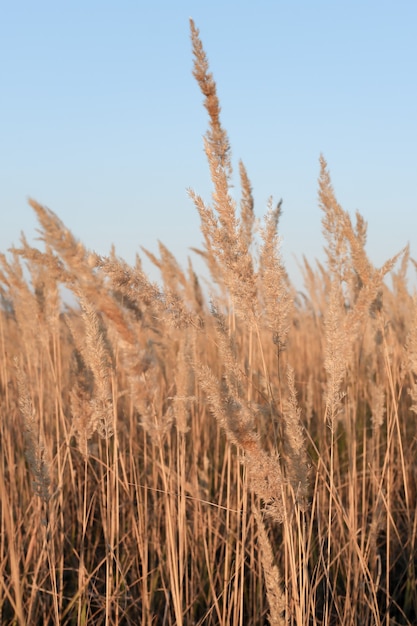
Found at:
<point>243,458</point>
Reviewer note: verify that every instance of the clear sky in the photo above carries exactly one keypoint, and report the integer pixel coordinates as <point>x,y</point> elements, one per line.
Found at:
<point>101,119</point>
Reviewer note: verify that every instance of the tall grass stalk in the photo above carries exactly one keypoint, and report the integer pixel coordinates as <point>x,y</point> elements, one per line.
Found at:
<point>168,458</point>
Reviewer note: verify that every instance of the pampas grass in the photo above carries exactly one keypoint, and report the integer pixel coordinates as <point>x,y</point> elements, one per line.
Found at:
<point>168,459</point>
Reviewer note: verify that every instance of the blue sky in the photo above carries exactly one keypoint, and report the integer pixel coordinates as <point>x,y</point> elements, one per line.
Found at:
<point>101,119</point>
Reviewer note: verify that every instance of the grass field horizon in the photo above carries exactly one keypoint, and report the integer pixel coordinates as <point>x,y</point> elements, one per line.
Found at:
<point>240,453</point>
